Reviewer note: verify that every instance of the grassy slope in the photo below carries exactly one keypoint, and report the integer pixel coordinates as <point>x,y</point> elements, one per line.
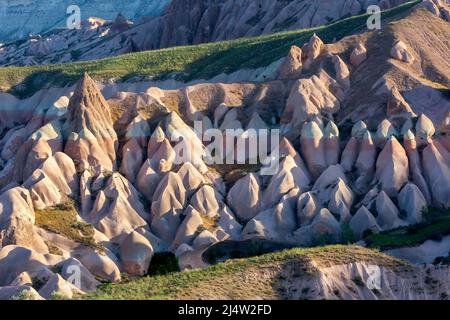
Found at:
<point>435,228</point>
<point>62,219</point>
<point>194,62</point>
<point>239,279</point>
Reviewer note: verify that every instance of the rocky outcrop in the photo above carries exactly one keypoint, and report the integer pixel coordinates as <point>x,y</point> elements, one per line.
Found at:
<point>388,214</point>
<point>244,197</point>
<point>17,220</point>
<point>275,224</point>
<point>147,180</point>
<point>313,49</point>
<point>52,181</point>
<point>289,176</point>
<point>415,165</point>
<point>412,202</point>
<point>165,196</point>
<point>332,144</point>
<point>398,108</point>
<point>363,222</point>
<point>313,148</point>
<point>56,285</point>
<point>401,52</point>
<point>358,55</point>
<point>424,130</point>
<point>392,167</point>
<point>334,193</point>
<point>136,253</point>
<point>91,139</point>
<point>436,161</point>
<point>134,150</point>
<point>292,65</point>
<point>117,210</point>
<point>323,226</point>
<point>308,97</point>
<point>207,201</point>
<point>101,266</point>
<point>188,229</point>
<point>307,208</point>
<point>167,206</point>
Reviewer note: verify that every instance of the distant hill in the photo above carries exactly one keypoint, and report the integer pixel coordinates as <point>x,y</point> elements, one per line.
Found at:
<point>19,18</point>
<point>181,23</point>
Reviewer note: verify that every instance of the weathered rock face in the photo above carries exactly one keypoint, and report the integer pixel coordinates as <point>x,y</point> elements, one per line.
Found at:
<point>56,285</point>
<point>292,65</point>
<point>101,266</point>
<point>289,176</point>
<point>117,209</point>
<point>362,222</point>
<point>136,254</point>
<point>436,160</point>
<point>313,148</point>
<point>392,167</point>
<point>415,165</point>
<point>91,139</point>
<point>308,97</point>
<point>53,180</point>
<point>358,55</point>
<point>388,214</point>
<point>412,201</point>
<point>424,130</point>
<point>332,144</point>
<point>245,197</point>
<point>168,203</point>
<point>324,224</point>
<point>398,108</point>
<point>401,52</point>
<point>164,200</point>
<point>17,220</point>
<point>135,148</point>
<point>307,208</point>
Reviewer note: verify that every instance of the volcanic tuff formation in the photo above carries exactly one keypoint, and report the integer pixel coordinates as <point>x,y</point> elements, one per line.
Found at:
<point>362,148</point>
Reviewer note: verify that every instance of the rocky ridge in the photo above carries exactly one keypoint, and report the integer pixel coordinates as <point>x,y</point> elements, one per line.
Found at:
<point>114,161</point>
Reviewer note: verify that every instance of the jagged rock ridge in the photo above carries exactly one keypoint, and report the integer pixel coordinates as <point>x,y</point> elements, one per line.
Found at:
<point>114,165</point>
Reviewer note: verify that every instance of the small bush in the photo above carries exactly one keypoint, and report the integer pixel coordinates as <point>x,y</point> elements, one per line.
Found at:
<point>163,263</point>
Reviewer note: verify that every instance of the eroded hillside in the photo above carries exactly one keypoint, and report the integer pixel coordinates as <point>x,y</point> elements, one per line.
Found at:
<point>364,149</point>
<point>182,23</point>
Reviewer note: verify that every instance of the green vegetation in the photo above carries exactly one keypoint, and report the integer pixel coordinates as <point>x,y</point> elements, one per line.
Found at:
<point>189,62</point>
<point>62,219</point>
<point>24,296</point>
<point>229,249</point>
<point>241,278</point>
<point>163,263</point>
<point>435,226</point>
<point>348,235</point>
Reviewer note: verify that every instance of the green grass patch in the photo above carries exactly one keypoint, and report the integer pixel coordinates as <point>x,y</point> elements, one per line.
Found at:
<point>62,219</point>
<point>189,62</point>
<point>223,275</point>
<point>436,226</point>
